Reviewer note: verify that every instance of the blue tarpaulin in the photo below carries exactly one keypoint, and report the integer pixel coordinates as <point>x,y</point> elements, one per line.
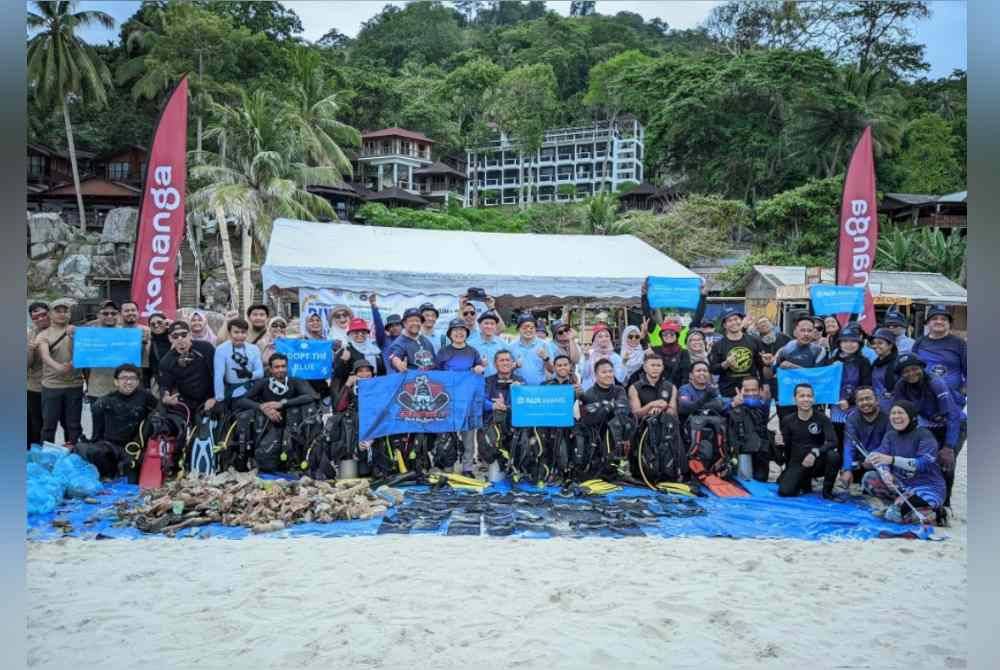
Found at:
<point>762,516</point>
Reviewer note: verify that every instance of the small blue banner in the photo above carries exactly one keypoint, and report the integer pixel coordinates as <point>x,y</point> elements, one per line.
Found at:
<point>420,401</point>
<point>542,406</point>
<point>678,292</point>
<point>829,299</point>
<point>825,382</point>
<point>307,359</point>
<point>99,347</point>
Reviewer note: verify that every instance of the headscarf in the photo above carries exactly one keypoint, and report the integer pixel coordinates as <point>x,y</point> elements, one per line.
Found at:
<point>694,355</point>
<point>335,332</point>
<point>911,411</point>
<point>634,360</point>
<point>266,343</point>
<point>207,335</point>
<point>597,352</point>
<point>368,349</point>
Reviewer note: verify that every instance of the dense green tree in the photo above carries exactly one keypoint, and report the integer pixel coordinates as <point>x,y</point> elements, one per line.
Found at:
<point>428,31</point>
<point>63,69</point>
<point>927,163</point>
<point>258,16</point>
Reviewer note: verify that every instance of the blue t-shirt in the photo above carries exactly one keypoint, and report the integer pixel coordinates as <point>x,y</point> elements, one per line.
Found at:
<point>946,359</point>
<point>457,360</point>
<point>530,366</point>
<point>418,353</point>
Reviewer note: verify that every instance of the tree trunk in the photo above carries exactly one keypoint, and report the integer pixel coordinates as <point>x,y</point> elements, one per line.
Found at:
<point>201,72</point>
<point>227,259</point>
<point>194,241</point>
<point>246,246</point>
<point>76,172</point>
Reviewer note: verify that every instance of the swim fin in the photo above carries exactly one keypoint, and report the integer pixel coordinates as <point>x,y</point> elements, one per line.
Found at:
<point>715,484</point>
<point>202,448</point>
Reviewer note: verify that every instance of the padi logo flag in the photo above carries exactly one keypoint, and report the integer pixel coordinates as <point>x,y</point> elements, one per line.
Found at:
<point>679,292</point>
<point>828,299</point>
<point>542,406</point>
<point>825,382</point>
<point>106,347</point>
<point>420,402</point>
<point>307,359</point>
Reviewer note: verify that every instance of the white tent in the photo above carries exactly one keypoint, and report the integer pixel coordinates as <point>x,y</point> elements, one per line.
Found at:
<point>303,254</point>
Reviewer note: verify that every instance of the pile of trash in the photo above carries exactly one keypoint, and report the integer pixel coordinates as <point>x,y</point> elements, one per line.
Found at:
<point>54,473</point>
<point>241,499</point>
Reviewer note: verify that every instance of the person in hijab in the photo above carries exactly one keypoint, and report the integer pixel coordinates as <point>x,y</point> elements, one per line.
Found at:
<point>907,457</point>
<point>159,345</point>
<point>200,330</point>
<point>676,360</point>
<point>602,347</point>
<point>276,328</point>
<point>340,322</point>
<point>631,351</point>
<point>697,347</point>
<point>884,367</point>
<point>314,331</point>
<point>359,346</point>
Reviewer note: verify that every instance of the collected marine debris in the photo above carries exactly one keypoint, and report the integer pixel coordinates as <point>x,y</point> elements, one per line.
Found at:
<point>241,499</point>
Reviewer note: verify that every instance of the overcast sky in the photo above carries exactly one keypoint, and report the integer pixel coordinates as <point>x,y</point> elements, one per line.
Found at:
<point>944,34</point>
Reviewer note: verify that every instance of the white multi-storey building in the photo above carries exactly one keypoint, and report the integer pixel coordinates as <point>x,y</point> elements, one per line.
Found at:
<point>572,164</point>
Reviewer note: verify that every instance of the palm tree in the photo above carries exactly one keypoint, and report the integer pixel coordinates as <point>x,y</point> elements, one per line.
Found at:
<point>260,178</point>
<point>836,121</point>
<point>602,216</point>
<point>312,112</point>
<point>62,67</point>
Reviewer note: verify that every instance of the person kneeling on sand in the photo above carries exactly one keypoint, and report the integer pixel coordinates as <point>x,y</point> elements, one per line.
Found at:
<point>811,445</point>
<point>906,467</point>
<point>116,419</point>
<point>276,392</point>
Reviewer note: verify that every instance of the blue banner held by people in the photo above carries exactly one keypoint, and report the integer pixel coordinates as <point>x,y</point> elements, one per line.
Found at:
<point>678,292</point>
<point>542,406</point>
<point>828,299</point>
<point>307,359</point>
<point>97,347</point>
<point>420,402</point>
<point>825,382</point>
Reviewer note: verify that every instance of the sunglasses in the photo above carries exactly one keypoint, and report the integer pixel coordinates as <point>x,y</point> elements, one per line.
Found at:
<point>468,313</point>
<point>157,324</point>
<point>179,335</point>
<point>340,315</point>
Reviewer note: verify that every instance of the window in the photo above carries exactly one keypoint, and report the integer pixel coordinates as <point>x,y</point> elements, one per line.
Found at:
<point>405,150</point>
<point>36,166</point>
<point>118,171</point>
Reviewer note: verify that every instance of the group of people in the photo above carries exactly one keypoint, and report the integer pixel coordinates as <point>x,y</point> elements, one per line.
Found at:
<point>896,429</point>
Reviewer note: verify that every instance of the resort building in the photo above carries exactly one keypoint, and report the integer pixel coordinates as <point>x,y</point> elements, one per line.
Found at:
<point>572,164</point>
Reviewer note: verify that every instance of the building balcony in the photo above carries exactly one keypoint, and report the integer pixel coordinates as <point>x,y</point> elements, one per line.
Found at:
<point>510,199</point>
<point>565,177</point>
<point>511,181</point>
<point>492,182</point>
<point>510,161</point>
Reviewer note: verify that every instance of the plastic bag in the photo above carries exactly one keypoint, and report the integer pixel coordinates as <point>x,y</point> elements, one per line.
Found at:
<point>45,491</point>
<point>78,476</point>
<point>46,455</point>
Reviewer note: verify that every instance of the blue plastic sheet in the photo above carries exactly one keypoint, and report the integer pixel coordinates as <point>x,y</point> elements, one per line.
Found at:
<point>762,516</point>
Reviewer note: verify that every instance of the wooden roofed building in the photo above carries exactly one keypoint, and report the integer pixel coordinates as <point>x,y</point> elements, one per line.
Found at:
<point>947,212</point>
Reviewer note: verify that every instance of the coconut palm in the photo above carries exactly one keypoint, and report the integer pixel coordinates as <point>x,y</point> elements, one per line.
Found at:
<point>312,113</point>
<point>63,68</point>
<point>260,178</point>
<point>602,216</point>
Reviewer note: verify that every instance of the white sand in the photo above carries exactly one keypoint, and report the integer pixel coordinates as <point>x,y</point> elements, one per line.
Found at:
<point>454,602</point>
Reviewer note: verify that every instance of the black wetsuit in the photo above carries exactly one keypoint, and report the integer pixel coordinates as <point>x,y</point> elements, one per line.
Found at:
<point>800,437</point>
<point>116,417</point>
<point>297,392</point>
<point>195,380</point>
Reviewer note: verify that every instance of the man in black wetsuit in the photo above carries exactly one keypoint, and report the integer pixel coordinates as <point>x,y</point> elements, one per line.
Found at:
<point>811,445</point>
<point>187,371</point>
<point>116,418</point>
<point>276,392</point>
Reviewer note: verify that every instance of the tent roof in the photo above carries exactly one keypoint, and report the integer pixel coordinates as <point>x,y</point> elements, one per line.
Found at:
<point>304,254</point>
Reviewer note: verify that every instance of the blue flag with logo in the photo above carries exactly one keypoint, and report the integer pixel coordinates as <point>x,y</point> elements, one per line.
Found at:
<point>829,299</point>
<point>98,347</point>
<point>420,401</point>
<point>307,359</point>
<point>679,292</point>
<point>825,382</point>
<point>542,406</point>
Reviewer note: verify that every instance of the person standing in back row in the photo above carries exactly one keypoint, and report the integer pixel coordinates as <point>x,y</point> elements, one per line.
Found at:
<point>944,353</point>
<point>411,350</point>
<point>736,356</point>
<point>39,313</point>
<point>62,384</point>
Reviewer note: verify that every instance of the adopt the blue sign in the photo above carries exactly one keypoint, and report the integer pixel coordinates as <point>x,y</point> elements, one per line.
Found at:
<point>825,382</point>
<point>307,359</point>
<point>100,347</point>
<point>548,406</point>
<point>678,292</point>
<point>829,299</point>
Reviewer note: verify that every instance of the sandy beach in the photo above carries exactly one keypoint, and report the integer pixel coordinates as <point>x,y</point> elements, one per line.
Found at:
<point>455,602</point>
